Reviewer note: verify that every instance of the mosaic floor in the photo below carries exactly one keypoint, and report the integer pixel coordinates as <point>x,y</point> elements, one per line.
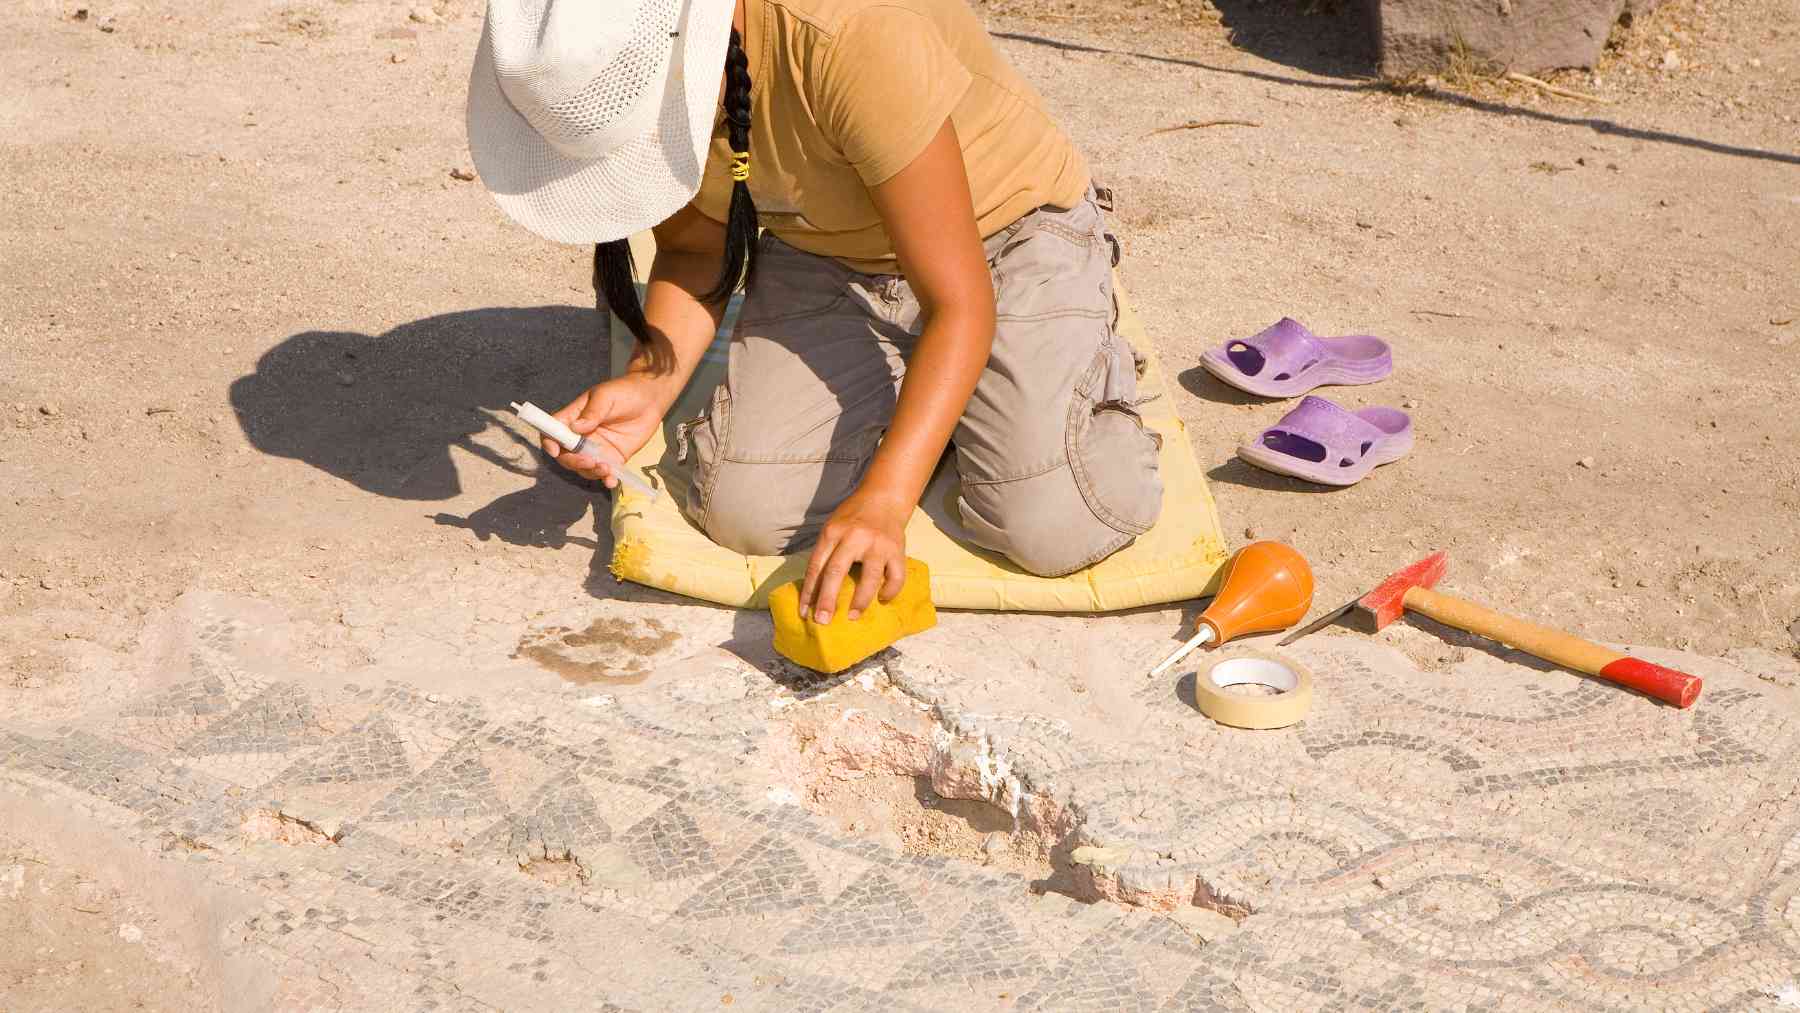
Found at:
<point>1493,838</point>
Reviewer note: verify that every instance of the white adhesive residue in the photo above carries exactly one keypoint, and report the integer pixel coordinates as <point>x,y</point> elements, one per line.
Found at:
<point>600,702</point>
<point>780,703</point>
<point>997,779</point>
<point>1787,995</point>
<point>866,681</point>
<point>849,712</point>
<point>783,796</point>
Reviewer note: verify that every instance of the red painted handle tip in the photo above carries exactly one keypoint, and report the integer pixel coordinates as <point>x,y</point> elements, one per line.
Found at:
<point>1665,684</point>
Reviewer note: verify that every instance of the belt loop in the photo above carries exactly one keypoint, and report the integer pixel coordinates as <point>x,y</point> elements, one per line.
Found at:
<point>1103,196</point>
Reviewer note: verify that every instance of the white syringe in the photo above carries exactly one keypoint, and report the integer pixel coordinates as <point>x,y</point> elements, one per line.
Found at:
<point>574,442</point>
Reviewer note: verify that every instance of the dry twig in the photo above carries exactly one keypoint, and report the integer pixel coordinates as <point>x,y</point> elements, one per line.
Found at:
<point>1198,124</point>
<point>1513,75</point>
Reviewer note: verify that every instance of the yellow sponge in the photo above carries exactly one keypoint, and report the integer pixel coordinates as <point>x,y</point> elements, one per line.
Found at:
<point>837,646</point>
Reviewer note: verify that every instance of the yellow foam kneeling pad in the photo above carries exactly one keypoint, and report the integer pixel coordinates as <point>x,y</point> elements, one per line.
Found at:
<point>833,647</point>
<point>1180,558</point>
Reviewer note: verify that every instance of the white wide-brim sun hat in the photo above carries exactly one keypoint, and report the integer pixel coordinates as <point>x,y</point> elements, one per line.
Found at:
<point>589,120</point>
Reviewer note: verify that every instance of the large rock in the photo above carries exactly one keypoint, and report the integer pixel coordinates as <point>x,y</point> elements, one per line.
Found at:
<point>1429,36</point>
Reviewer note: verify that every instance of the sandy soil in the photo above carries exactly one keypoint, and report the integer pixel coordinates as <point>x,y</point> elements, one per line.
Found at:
<point>76,942</point>
<point>256,328</point>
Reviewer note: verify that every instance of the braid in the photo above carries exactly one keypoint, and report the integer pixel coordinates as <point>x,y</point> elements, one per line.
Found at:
<point>740,223</point>
<point>614,272</point>
<point>615,278</point>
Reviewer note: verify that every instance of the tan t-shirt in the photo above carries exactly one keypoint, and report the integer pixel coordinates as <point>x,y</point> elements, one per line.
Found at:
<point>846,93</point>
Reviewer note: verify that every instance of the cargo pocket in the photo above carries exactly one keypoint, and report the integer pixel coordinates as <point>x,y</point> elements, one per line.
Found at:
<point>1112,453</point>
<point>702,448</point>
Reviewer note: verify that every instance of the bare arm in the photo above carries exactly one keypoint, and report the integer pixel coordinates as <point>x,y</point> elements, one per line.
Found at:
<point>930,218</point>
<point>625,412</point>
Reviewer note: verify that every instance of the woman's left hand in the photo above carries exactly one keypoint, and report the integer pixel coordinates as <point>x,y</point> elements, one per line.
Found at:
<point>868,528</point>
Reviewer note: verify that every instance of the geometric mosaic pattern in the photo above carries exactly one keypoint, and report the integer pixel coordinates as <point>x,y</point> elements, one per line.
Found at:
<point>1479,839</point>
<point>371,751</point>
<point>768,876</point>
<point>457,786</point>
<point>871,912</point>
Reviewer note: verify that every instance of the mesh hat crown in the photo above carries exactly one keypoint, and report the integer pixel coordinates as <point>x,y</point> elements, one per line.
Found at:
<point>589,120</point>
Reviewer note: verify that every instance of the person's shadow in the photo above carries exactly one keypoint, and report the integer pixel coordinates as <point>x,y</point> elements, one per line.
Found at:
<point>1330,38</point>
<point>382,412</point>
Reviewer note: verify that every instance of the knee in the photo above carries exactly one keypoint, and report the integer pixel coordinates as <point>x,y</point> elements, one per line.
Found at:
<point>1046,526</point>
<point>741,510</point>
<point>1046,549</point>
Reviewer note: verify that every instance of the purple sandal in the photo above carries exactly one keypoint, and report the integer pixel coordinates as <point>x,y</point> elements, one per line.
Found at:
<point>1321,442</point>
<point>1287,359</point>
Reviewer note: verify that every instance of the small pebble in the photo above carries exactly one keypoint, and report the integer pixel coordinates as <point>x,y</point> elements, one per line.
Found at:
<point>1586,462</point>
<point>1404,120</point>
<point>1363,223</point>
<point>1250,532</point>
<point>131,933</point>
<point>1755,64</point>
<point>345,379</point>
<point>1409,404</point>
<point>1671,61</point>
<point>462,174</point>
<point>396,57</point>
<point>48,409</point>
<point>1643,582</point>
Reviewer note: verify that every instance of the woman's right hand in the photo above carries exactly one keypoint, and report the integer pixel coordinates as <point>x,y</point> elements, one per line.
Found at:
<point>620,416</point>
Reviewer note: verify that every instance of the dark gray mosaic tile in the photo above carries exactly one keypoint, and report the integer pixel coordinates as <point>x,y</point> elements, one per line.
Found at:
<point>872,911</point>
<point>277,720</point>
<point>768,876</point>
<point>560,815</point>
<point>1207,991</point>
<point>668,844</point>
<point>987,950</point>
<point>369,751</point>
<point>1320,745</point>
<point>1096,978</point>
<point>457,786</point>
<point>194,699</point>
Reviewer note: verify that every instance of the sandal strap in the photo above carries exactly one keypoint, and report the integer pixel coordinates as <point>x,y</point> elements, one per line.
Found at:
<point>1342,433</point>
<point>1286,347</point>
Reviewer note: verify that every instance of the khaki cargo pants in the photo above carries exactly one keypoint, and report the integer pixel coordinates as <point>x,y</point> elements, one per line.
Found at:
<point>1058,470</point>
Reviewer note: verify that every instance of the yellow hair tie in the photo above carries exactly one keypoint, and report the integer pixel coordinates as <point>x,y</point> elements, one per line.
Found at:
<point>740,166</point>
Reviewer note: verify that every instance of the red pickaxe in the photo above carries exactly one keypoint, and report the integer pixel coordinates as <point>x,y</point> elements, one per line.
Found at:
<point>1411,588</point>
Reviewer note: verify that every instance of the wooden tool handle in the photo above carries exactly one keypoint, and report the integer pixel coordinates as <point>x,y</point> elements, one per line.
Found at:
<point>1666,684</point>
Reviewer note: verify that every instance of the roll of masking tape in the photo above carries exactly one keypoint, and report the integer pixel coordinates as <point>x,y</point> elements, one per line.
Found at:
<point>1292,684</point>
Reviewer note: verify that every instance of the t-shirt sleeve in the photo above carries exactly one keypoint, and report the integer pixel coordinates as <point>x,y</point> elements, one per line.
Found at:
<point>886,84</point>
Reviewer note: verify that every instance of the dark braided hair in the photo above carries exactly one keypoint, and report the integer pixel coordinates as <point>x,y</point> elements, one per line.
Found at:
<point>613,267</point>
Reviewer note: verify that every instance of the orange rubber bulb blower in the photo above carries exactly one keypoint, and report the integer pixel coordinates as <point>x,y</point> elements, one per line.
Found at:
<point>1268,586</point>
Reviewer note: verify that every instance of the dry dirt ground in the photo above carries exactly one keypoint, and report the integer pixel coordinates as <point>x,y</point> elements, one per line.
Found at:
<point>257,332</point>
